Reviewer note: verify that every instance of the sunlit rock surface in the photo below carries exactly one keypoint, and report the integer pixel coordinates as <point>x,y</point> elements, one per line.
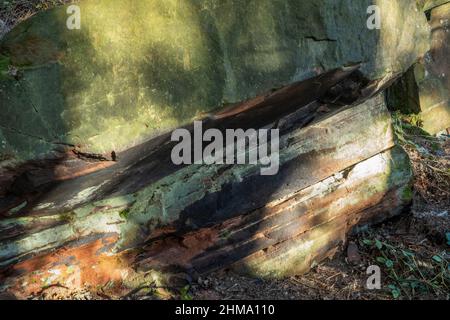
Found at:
<point>433,74</point>
<point>140,67</point>
<point>430,4</point>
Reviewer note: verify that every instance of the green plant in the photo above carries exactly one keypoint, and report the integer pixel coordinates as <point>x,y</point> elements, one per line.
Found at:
<point>184,293</point>
<point>409,273</point>
<point>225,234</point>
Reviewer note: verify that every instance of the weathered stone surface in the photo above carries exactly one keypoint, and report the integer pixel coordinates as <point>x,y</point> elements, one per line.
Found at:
<point>197,195</point>
<point>137,68</point>
<point>433,74</point>
<point>430,4</point>
<point>403,95</point>
<point>287,236</point>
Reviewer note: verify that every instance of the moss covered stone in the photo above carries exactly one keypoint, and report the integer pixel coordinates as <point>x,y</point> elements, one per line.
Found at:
<point>137,68</point>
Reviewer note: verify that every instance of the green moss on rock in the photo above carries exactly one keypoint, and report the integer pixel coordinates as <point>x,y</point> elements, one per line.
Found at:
<point>138,68</point>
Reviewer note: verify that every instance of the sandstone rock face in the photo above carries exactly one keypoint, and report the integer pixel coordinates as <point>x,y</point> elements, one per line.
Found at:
<point>433,74</point>
<point>337,175</point>
<point>430,4</point>
<point>140,67</point>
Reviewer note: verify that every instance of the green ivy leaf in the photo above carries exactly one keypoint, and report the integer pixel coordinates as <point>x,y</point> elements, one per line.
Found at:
<point>396,293</point>
<point>367,242</point>
<point>389,263</point>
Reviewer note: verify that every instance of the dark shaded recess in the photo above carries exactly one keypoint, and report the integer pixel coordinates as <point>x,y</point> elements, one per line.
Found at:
<point>296,106</point>
<point>403,95</point>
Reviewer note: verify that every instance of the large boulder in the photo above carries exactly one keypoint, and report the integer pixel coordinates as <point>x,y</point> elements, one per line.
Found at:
<point>426,5</point>
<point>140,67</point>
<point>424,88</point>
